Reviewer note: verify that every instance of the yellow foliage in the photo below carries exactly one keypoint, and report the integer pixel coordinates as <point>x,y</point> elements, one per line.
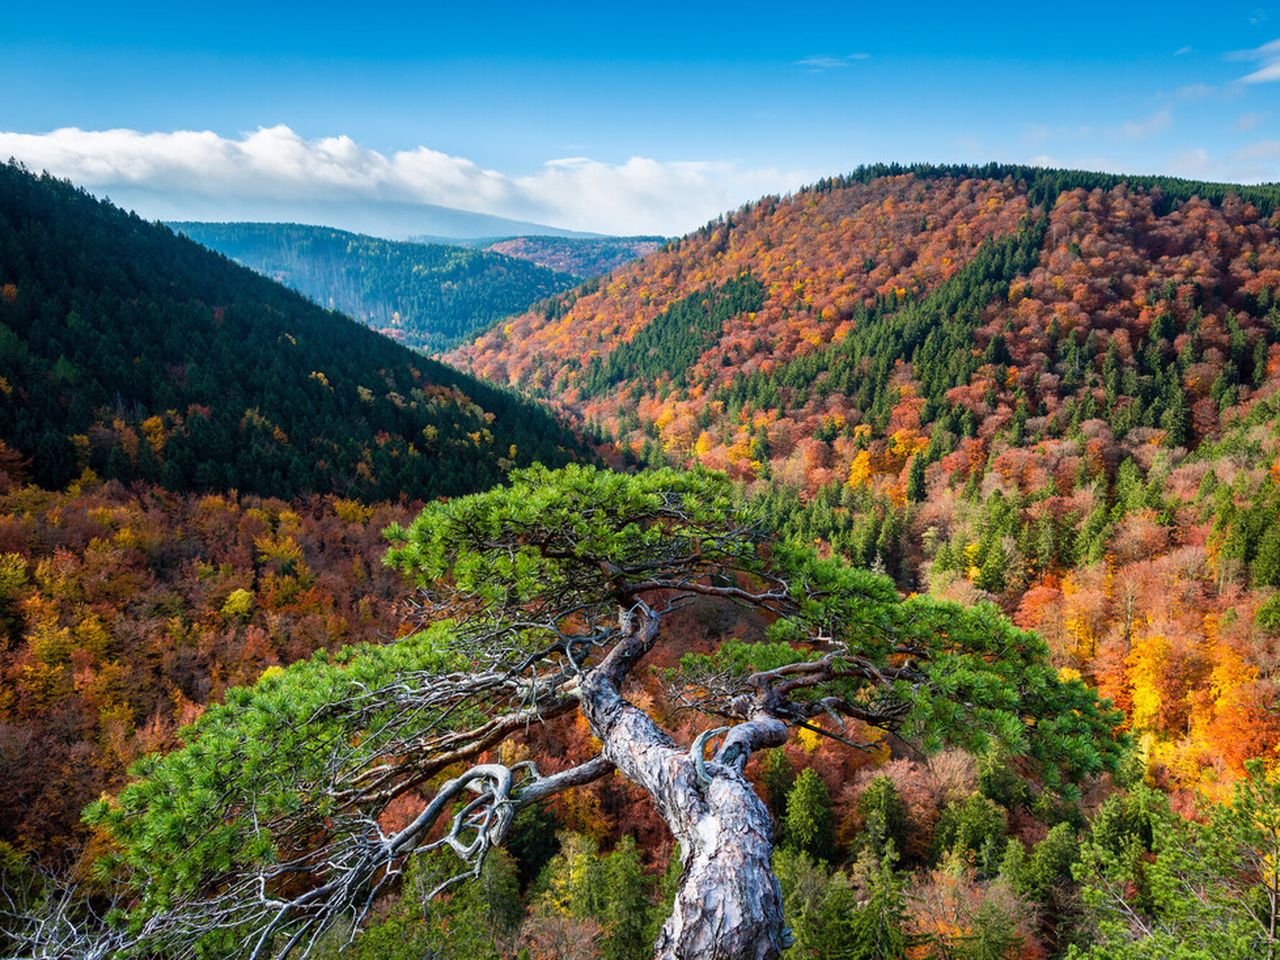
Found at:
<point>352,511</point>
<point>809,740</point>
<point>860,469</point>
<point>153,431</point>
<point>272,548</point>
<point>1145,663</point>
<point>239,603</point>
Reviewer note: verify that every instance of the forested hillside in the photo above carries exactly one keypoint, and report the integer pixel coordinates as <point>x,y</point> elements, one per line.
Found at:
<point>142,355</point>
<point>1045,388</point>
<point>1047,393</point>
<point>125,612</point>
<point>431,296</point>
<point>581,256</point>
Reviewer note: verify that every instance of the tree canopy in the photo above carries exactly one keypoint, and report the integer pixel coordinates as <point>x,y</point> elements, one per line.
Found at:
<point>541,598</point>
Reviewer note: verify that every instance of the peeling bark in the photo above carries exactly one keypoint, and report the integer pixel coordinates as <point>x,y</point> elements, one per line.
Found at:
<point>728,905</point>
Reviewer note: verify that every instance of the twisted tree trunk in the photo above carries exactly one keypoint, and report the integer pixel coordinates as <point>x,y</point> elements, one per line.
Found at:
<point>728,905</point>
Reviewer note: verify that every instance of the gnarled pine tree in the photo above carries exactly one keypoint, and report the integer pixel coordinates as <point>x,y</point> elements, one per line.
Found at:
<point>542,598</point>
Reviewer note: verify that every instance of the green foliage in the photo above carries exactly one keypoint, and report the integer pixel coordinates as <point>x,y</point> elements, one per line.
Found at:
<point>993,936</point>
<point>476,920</point>
<point>829,918</point>
<point>671,342</point>
<point>432,296</point>
<point>934,334</point>
<point>974,827</point>
<point>1267,616</point>
<point>572,541</point>
<point>884,818</point>
<point>532,842</point>
<point>1047,869</point>
<point>559,533</point>
<point>778,776</point>
<point>998,780</point>
<point>626,905</point>
<point>612,890</point>
<point>573,881</point>
<point>915,479</point>
<point>1209,891</point>
<point>204,809</point>
<point>809,827</point>
<point>664,901</point>
<point>13,586</point>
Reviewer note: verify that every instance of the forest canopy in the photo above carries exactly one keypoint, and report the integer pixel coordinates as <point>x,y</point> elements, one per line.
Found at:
<point>268,826</point>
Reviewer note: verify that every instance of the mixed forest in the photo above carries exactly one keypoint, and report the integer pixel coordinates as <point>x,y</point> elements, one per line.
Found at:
<point>984,510</point>
<point>584,257</point>
<point>430,296</point>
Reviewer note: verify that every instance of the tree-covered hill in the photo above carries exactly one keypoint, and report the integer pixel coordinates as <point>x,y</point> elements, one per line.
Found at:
<point>142,355</point>
<point>1051,389</point>
<point>426,295</point>
<point>583,257</point>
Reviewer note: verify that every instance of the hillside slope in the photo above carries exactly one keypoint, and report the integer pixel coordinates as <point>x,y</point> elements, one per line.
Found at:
<point>143,355</point>
<point>896,302</point>
<point>584,257</point>
<point>1057,391</point>
<point>428,296</point>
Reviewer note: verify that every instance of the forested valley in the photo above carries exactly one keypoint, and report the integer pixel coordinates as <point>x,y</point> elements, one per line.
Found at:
<point>933,572</point>
<point>430,296</point>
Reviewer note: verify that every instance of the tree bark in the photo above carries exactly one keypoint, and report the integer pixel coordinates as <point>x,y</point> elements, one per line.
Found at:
<point>728,905</point>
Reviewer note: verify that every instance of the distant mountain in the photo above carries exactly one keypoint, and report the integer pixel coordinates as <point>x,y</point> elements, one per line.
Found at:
<point>145,356</point>
<point>391,219</point>
<point>428,296</point>
<point>584,257</point>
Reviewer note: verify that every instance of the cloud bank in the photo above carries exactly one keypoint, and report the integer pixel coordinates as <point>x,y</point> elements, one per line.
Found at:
<point>162,174</point>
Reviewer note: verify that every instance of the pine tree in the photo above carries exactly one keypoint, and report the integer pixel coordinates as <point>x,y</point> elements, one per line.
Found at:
<point>1176,418</point>
<point>626,904</point>
<point>991,575</point>
<point>1266,562</point>
<point>779,777</point>
<point>884,817</point>
<point>915,479</point>
<point>809,825</point>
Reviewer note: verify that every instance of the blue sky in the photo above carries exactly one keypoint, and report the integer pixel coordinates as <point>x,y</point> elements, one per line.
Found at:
<point>652,116</point>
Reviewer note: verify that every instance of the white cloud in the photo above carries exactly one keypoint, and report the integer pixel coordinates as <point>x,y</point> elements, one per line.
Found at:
<point>820,63</point>
<point>1158,122</point>
<point>1195,91</point>
<point>197,170</point>
<point>1268,56</point>
<point>1247,121</point>
<point>1257,162</point>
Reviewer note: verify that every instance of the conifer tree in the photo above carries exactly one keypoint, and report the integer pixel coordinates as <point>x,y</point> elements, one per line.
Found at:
<point>915,479</point>
<point>809,826</point>
<point>625,914</point>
